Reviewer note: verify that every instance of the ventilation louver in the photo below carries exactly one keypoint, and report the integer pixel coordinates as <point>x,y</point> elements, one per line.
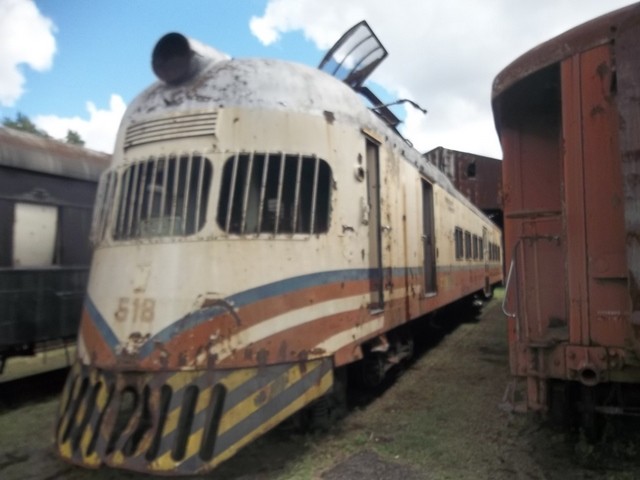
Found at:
<point>170,128</point>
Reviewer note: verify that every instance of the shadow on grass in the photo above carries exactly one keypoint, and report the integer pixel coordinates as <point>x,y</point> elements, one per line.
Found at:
<point>33,389</point>
<point>427,333</point>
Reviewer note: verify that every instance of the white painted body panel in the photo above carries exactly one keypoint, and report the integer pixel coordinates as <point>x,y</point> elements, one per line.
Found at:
<point>303,111</point>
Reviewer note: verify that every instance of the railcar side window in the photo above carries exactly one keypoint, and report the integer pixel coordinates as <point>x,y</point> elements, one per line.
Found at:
<point>274,193</point>
<point>494,252</point>
<point>164,196</point>
<point>467,245</point>
<point>459,243</point>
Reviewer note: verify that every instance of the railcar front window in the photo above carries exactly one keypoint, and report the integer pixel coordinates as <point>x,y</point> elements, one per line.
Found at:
<point>163,196</point>
<point>274,193</point>
<point>103,205</point>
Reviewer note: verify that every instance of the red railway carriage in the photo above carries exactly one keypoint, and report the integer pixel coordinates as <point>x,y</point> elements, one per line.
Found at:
<point>568,116</point>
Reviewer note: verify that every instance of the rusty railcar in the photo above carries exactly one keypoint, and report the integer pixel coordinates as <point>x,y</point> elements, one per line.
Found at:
<point>47,190</point>
<point>568,116</point>
<point>260,229</point>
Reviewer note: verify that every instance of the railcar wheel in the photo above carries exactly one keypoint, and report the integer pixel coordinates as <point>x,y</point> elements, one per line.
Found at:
<point>591,422</point>
<point>373,370</point>
<point>560,404</point>
<point>325,411</point>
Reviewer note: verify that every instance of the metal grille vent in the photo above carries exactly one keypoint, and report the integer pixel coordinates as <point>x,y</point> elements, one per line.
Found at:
<point>170,128</point>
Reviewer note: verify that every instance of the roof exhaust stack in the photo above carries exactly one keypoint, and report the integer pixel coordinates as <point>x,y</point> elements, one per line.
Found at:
<point>176,58</point>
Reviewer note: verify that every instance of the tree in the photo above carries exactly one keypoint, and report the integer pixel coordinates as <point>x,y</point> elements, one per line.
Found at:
<point>22,122</point>
<point>74,138</point>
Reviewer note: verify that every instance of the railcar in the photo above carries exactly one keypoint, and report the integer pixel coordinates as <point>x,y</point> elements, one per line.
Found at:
<point>47,190</point>
<point>568,116</point>
<point>260,229</point>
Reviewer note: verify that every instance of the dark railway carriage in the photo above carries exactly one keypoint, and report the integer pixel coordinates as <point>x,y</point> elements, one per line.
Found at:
<point>47,190</point>
<point>568,116</point>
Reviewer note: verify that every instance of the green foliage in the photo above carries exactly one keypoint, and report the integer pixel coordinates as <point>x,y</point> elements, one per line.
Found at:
<point>74,138</point>
<point>22,122</point>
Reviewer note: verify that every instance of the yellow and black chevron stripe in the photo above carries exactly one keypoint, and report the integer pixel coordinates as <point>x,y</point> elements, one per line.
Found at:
<point>183,422</point>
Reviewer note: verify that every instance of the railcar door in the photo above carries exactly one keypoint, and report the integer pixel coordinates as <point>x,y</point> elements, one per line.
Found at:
<point>428,239</point>
<point>376,274</point>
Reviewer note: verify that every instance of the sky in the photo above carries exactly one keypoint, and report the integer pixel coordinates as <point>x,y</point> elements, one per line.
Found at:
<point>76,64</point>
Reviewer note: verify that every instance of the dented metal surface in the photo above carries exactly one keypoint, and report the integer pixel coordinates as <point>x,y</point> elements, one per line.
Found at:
<point>477,177</point>
<point>628,85</point>
<point>599,31</point>
<point>568,115</point>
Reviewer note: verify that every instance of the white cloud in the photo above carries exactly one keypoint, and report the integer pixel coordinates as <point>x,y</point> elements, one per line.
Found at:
<point>319,22</point>
<point>98,132</point>
<point>443,55</point>
<point>26,38</point>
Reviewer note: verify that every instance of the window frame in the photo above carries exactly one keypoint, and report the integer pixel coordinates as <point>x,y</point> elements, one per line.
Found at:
<point>181,183</point>
<point>274,194</point>
<point>459,243</point>
<point>468,253</point>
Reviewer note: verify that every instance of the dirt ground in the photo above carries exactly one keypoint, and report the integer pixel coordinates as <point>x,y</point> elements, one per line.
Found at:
<point>440,419</point>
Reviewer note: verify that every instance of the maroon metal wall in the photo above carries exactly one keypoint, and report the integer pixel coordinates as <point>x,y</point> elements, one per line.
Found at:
<point>568,115</point>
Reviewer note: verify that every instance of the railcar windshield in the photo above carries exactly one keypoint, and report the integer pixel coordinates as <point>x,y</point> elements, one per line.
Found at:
<point>275,193</point>
<point>164,196</point>
<point>158,197</point>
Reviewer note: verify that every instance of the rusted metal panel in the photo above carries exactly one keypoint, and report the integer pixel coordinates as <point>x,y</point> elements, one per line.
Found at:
<point>574,202</point>
<point>568,115</point>
<point>603,197</point>
<point>534,237</point>
<point>477,177</point>
<point>593,196</point>
<point>627,50</point>
<point>600,31</point>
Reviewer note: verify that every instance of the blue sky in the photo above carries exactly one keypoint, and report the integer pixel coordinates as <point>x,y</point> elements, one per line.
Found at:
<point>105,46</point>
<point>75,64</point>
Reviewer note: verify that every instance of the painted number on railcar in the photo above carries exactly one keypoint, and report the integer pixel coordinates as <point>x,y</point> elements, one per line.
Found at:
<point>135,310</point>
